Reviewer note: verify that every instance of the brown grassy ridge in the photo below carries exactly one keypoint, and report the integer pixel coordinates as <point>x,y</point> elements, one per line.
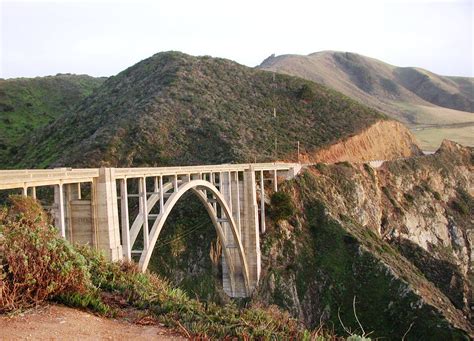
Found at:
<point>419,98</point>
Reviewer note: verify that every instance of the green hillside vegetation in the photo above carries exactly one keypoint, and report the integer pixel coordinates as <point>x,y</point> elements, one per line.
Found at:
<point>417,97</point>
<point>173,108</point>
<point>29,103</point>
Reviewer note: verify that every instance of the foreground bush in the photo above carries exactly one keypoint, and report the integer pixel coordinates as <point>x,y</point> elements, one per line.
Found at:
<point>37,264</point>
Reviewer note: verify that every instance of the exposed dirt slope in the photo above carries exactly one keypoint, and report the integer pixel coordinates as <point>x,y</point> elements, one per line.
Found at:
<point>385,140</point>
<point>56,322</point>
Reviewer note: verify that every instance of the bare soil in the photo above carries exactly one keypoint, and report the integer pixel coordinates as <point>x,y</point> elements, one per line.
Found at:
<point>56,322</point>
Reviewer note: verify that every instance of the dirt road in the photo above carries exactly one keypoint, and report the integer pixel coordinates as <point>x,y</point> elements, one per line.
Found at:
<point>55,322</point>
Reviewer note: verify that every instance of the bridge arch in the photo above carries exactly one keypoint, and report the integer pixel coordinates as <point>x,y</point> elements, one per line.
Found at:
<point>199,188</point>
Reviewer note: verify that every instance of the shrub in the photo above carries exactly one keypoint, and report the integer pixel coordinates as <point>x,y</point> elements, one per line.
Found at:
<point>306,93</point>
<point>409,197</point>
<point>460,206</point>
<point>37,265</point>
<point>281,206</point>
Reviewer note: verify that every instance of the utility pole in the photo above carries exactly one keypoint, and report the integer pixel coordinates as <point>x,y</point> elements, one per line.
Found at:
<point>298,144</point>
<point>276,148</point>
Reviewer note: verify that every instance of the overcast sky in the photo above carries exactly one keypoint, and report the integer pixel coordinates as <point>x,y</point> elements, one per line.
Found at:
<point>101,38</point>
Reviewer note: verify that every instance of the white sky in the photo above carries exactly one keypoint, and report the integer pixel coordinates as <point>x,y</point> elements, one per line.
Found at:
<point>102,37</point>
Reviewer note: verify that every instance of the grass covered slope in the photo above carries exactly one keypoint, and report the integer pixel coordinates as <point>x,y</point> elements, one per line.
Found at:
<point>29,103</point>
<point>417,97</point>
<point>173,108</point>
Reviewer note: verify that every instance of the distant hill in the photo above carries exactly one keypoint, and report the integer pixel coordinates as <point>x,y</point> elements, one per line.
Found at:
<point>419,98</point>
<point>173,108</point>
<point>29,103</point>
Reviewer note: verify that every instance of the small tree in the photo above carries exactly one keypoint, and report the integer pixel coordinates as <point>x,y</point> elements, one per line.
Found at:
<point>282,207</point>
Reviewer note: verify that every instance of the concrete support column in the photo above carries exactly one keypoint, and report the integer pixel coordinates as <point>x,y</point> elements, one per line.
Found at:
<point>226,185</point>
<point>225,189</point>
<point>275,180</point>
<point>213,181</point>
<point>71,194</point>
<point>249,227</point>
<point>262,203</point>
<point>162,195</point>
<point>125,222</point>
<point>105,214</point>
<point>175,182</point>
<point>235,191</point>
<point>144,211</point>
<point>79,194</point>
<point>59,216</point>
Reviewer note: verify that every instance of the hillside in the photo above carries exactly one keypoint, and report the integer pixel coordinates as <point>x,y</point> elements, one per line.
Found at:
<point>429,104</point>
<point>397,240</point>
<point>29,103</point>
<point>173,108</point>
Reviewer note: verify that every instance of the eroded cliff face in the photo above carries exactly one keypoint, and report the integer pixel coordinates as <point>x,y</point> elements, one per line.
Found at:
<point>384,140</point>
<point>396,239</point>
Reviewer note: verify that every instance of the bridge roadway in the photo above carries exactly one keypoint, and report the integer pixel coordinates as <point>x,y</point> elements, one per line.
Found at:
<point>110,221</point>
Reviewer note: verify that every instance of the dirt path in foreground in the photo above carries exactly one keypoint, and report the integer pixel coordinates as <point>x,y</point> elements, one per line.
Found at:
<point>55,322</point>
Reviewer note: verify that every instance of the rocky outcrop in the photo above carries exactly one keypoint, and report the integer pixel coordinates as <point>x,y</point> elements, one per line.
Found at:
<point>397,239</point>
<point>384,140</point>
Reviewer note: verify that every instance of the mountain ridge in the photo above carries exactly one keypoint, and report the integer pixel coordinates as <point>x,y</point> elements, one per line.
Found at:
<point>174,108</point>
<point>416,97</point>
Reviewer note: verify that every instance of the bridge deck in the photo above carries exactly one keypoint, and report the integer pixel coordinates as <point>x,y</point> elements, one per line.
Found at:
<point>21,178</point>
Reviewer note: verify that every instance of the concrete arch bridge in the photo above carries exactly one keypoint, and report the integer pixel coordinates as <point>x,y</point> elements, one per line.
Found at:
<point>104,219</point>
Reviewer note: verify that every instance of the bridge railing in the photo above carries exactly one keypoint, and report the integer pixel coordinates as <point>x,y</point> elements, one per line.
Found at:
<point>120,173</point>
<point>27,178</point>
<point>10,179</point>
